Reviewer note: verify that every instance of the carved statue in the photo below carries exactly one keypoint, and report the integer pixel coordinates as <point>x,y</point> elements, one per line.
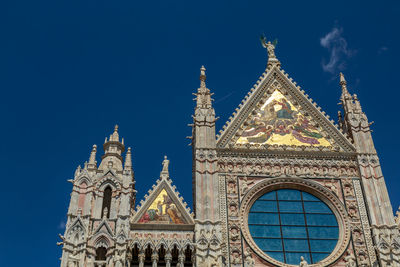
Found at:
<point>73,260</point>
<point>165,164</point>
<point>397,217</point>
<point>118,260</point>
<point>90,262</point>
<point>269,46</point>
<point>303,262</point>
<point>248,258</point>
<point>105,213</point>
<point>350,261</point>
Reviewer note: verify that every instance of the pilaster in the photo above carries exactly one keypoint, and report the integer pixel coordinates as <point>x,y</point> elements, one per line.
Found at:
<point>381,218</point>
<point>205,178</point>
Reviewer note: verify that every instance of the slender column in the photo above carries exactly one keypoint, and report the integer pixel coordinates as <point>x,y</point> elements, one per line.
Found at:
<point>194,259</point>
<point>154,258</point>
<point>168,259</point>
<point>141,259</point>
<point>181,259</point>
<point>129,258</point>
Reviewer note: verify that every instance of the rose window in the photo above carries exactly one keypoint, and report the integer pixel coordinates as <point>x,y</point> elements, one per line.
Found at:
<point>288,223</point>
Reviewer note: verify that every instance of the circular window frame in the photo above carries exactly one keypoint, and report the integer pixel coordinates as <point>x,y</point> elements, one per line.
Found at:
<point>305,185</point>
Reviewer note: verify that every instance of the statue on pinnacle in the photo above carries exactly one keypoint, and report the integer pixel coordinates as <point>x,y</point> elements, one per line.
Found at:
<point>269,46</point>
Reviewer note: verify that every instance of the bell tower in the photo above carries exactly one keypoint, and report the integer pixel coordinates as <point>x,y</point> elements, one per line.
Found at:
<point>97,227</point>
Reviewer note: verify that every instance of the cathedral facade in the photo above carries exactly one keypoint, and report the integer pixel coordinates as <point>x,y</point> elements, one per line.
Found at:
<point>280,185</point>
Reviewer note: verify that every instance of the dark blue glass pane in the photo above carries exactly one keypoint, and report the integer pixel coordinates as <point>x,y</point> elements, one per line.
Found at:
<point>294,258</point>
<point>319,256</point>
<point>291,206</point>
<point>316,207</point>
<point>294,231</point>
<point>309,197</point>
<point>292,219</point>
<point>276,255</point>
<point>269,196</point>
<point>269,218</point>
<point>296,245</point>
<point>269,244</point>
<point>289,194</point>
<point>263,218</point>
<point>321,220</point>
<point>265,231</point>
<point>323,232</point>
<point>264,206</point>
<point>322,245</point>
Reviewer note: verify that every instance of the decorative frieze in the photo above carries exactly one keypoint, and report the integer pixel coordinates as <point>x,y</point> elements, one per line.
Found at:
<point>278,167</point>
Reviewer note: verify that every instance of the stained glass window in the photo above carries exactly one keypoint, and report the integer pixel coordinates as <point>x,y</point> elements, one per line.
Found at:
<point>288,223</point>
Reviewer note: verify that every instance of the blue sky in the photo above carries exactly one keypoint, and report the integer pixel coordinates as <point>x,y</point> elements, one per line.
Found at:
<point>71,70</point>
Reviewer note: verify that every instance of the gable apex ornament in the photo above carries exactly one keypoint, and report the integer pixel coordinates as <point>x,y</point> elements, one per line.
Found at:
<point>165,164</point>
<point>270,46</point>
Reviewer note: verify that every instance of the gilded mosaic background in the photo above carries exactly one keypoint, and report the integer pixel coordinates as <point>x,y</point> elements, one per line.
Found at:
<point>162,210</point>
<point>279,122</point>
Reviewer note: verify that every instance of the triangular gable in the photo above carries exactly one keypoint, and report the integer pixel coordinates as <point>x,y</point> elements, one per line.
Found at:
<point>276,114</point>
<point>103,228</point>
<point>163,206</point>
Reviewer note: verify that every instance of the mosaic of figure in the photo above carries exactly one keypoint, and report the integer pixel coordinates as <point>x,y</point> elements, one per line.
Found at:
<point>162,210</point>
<point>279,122</point>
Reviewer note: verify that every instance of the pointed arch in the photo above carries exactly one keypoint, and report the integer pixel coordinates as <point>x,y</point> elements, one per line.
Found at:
<point>106,206</point>
<point>102,241</point>
<point>83,179</point>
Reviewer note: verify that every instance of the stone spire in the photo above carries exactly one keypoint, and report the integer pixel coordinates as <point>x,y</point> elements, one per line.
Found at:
<point>204,115</point>
<point>115,135</point>
<point>92,159</point>
<point>203,95</point>
<point>128,160</point>
<point>346,100</point>
<point>343,84</point>
<point>113,149</point>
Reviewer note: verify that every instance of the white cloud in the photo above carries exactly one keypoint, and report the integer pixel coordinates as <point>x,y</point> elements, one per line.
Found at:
<point>61,225</point>
<point>338,49</point>
<point>383,49</point>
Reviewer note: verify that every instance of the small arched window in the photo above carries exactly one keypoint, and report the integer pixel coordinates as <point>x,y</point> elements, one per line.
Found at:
<point>105,210</point>
<point>101,254</point>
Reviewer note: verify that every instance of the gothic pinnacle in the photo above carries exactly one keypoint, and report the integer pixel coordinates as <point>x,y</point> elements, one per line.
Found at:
<point>92,158</point>
<point>203,77</point>
<point>343,84</point>
<point>128,159</point>
<point>342,79</point>
<point>115,135</point>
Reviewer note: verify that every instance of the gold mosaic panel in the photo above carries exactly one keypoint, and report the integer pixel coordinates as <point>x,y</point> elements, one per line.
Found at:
<point>162,211</point>
<point>279,122</point>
